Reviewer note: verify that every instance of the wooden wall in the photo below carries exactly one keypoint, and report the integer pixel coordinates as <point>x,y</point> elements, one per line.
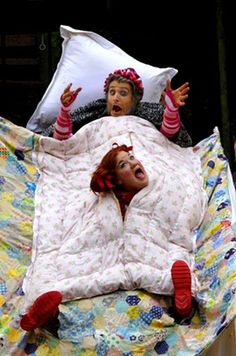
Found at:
<point>27,63</point>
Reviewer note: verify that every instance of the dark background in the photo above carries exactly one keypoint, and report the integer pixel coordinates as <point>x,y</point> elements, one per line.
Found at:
<point>195,37</point>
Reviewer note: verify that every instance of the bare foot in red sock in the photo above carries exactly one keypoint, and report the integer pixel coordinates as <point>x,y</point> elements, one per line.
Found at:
<point>45,307</point>
<point>181,277</point>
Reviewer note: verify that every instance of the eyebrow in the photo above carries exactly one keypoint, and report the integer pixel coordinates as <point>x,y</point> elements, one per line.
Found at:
<point>121,88</point>
<point>123,159</point>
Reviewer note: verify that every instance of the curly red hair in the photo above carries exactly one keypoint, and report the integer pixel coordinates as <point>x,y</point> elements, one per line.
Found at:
<point>104,177</point>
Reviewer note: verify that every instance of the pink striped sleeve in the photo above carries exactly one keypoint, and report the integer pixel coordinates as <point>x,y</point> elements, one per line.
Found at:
<point>171,119</point>
<point>63,125</point>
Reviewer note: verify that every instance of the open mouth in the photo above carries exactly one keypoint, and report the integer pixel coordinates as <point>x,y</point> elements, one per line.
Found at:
<point>116,108</point>
<point>139,173</point>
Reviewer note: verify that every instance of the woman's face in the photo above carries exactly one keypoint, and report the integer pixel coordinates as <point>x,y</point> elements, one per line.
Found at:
<point>120,100</point>
<point>130,173</point>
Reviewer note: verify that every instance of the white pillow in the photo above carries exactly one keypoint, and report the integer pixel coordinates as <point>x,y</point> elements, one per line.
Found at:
<point>87,59</point>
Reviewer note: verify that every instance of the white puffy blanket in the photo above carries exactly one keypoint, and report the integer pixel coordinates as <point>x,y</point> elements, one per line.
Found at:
<point>81,245</point>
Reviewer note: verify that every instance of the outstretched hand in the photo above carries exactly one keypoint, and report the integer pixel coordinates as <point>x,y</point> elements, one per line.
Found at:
<point>180,94</point>
<point>69,96</point>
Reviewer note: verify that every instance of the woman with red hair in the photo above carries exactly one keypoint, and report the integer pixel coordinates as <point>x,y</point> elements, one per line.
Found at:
<point>121,174</point>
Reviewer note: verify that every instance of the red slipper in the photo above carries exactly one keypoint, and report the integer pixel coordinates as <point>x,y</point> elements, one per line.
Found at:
<point>181,277</point>
<point>45,307</point>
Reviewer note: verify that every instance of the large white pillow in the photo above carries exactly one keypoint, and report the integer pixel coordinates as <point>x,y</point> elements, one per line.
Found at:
<point>87,59</point>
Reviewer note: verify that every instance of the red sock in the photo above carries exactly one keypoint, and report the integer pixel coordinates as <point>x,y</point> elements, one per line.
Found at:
<point>181,277</point>
<point>45,307</point>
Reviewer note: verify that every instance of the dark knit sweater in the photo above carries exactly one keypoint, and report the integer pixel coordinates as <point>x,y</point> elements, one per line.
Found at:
<point>152,112</point>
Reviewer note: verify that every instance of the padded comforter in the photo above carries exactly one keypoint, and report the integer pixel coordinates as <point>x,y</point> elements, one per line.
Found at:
<point>81,245</point>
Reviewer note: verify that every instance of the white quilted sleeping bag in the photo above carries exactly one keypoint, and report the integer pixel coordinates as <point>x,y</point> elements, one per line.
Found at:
<point>81,245</point>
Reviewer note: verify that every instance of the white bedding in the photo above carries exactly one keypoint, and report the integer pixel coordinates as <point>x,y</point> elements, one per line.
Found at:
<point>81,246</point>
